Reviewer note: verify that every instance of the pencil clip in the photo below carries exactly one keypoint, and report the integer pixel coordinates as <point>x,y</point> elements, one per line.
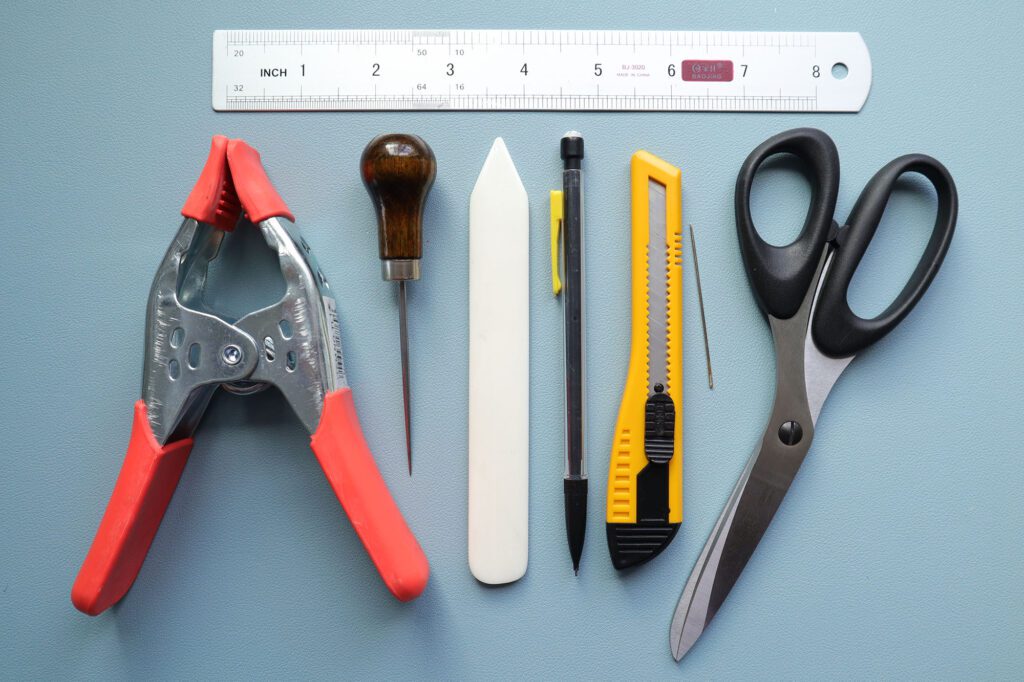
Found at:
<point>557,206</point>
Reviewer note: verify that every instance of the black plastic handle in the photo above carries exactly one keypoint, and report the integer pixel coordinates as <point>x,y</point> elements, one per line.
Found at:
<point>781,275</point>
<point>837,330</point>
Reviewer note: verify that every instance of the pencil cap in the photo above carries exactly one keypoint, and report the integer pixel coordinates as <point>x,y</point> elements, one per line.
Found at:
<point>572,148</point>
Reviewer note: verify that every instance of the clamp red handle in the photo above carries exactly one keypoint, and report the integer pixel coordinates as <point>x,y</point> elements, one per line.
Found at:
<point>144,487</point>
<point>343,454</point>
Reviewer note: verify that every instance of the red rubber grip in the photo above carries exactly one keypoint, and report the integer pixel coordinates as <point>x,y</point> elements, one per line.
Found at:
<point>213,199</point>
<point>345,458</point>
<point>258,196</point>
<point>233,180</point>
<point>145,485</point>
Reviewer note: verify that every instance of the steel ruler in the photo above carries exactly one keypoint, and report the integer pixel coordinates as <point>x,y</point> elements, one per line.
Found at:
<point>539,70</point>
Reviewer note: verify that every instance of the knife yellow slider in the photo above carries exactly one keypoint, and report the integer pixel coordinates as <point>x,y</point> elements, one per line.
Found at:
<point>645,476</point>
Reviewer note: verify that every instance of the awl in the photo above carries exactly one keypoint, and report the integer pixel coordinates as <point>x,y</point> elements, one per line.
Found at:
<point>398,171</point>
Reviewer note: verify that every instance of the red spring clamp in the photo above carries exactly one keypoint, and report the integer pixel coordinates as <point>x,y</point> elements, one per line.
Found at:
<point>293,345</point>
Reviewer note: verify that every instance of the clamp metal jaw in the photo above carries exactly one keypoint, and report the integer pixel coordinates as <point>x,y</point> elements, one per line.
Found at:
<point>293,345</point>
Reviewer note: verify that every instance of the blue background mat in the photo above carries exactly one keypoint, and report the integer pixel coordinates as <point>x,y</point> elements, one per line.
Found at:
<point>898,552</point>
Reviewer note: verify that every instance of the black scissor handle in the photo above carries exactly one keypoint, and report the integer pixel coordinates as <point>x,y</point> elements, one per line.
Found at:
<point>837,330</point>
<point>781,275</point>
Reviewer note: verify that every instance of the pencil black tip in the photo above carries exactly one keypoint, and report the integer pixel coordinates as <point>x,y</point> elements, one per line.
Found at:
<point>576,518</point>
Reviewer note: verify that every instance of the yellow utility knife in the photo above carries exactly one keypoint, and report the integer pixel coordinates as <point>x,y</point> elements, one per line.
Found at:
<point>645,477</point>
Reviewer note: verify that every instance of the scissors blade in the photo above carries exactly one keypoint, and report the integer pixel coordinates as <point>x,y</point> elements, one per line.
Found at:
<point>759,491</point>
<point>747,515</point>
<point>803,378</point>
<point>690,619</point>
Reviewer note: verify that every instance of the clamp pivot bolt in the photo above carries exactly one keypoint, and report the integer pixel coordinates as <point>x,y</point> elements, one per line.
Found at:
<point>232,354</point>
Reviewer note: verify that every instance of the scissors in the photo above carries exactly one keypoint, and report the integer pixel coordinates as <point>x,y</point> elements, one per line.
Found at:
<point>802,289</point>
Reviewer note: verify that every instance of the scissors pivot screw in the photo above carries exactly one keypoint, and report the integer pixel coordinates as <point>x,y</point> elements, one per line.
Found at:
<point>791,432</point>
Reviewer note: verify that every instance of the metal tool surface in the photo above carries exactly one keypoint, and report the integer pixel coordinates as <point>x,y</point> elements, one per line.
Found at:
<point>645,480</point>
<point>555,70</point>
<point>802,290</point>
<point>700,303</point>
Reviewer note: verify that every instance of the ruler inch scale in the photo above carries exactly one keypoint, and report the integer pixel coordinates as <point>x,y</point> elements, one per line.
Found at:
<point>538,70</point>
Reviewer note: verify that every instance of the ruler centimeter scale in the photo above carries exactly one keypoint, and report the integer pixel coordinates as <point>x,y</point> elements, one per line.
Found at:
<point>379,70</point>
